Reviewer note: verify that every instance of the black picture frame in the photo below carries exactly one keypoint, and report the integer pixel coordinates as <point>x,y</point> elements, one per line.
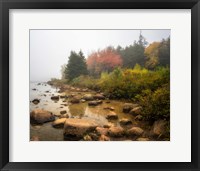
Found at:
<point>5,5</point>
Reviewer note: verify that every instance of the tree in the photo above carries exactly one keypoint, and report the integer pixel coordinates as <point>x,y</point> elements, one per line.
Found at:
<point>76,65</point>
<point>134,54</point>
<point>103,61</point>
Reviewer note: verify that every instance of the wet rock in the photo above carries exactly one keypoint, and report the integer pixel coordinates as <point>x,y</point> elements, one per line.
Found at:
<point>75,100</point>
<point>136,111</point>
<point>142,139</point>
<point>39,116</point>
<point>99,97</point>
<point>35,138</point>
<point>125,121</point>
<point>36,101</point>
<point>104,138</point>
<point>59,123</point>
<point>135,131</point>
<point>159,128</point>
<point>95,103</point>
<point>55,98</point>
<point>112,115</point>
<point>138,118</point>
<point>116,132</point>
<point>63,112</point>
<point>64,116</point>
<point>76,128</point>
<point>127,107</point>
<point>88,97</point>
<point>101,131</point>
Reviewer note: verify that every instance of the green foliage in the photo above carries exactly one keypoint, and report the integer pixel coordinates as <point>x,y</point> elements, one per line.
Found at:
<point>156,104</point>
<point>76,66</point>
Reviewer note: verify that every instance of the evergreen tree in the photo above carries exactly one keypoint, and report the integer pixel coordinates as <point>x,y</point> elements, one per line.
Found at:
<point>76,65</point>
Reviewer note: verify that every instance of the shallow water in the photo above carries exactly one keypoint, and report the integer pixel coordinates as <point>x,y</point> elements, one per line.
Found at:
<point>46,132</point>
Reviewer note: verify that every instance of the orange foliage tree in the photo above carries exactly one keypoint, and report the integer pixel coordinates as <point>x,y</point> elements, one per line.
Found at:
<point>103,61</point>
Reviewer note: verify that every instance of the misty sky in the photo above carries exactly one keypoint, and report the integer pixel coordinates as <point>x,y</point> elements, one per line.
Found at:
<point>49,49</point>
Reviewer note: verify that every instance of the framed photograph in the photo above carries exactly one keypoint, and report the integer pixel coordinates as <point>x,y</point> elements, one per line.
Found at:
<point>101,85</point>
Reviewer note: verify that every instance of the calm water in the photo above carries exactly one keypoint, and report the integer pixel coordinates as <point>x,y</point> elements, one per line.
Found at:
<point>46,132</point>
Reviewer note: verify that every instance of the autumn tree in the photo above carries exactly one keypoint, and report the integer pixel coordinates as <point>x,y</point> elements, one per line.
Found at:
<point>103,61</point>
<point>76,65</point>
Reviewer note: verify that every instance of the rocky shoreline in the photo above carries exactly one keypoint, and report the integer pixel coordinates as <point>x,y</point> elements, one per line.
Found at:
<point>76,128</point>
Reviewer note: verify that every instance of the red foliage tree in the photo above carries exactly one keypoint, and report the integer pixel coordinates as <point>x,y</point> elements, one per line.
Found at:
<point>103,60</point>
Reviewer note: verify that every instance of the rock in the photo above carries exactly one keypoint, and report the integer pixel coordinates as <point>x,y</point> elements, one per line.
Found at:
<point>87,138</point>
<point>59,123</point>
<point>101,131</point>
<point>63,96</point>
<point>77,128</point>
<point>108,125</point>
<point>107,101</point>
<point>63,112</point>
<point>39,116</point>
<point>99,97</point>
<point>95,103</point>
<point>55,98</point>
<point>135,131</point>
<point>88,97</point>
<point>136,111</point>
<point>138,118</point>
<point>64,116</point>
<point>125,121</point>
<point>116,132</point>
<point>142,139</point>
<point>47,91</point>
<point>109,108</point>
<point>36,101</point>
<point>34,89</point>
<point>35,138</point>
<point>64,101</point>
<point>94,136</point>
<point>127,107</point>
<point>159,128</point>
<point>75,100</point>
<point>83,101</point>
<point>112,115</point>
<point>104,138</point>
<point>63,104</point>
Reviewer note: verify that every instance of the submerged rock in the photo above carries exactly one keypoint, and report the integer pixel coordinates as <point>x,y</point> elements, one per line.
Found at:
<point>116,132</point>
<point>127,107</point>
<point>75,129</point>
<point>59,123</point>
<point>95,103</point>
<point>39,116</point>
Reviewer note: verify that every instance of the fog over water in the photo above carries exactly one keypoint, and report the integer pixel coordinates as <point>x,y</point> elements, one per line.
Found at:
<point>49,49</point>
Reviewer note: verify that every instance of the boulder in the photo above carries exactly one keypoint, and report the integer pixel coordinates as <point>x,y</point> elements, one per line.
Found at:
<point>34,89</point>
<point>99,97</point>
<point>136,111</point>
<point>35,101</point>
<point>159,128</point>
<point>104,138</point>
<point>83,101</point>
<point>63,112</point>
<point>75,129</point>
<point>101,131</point>
<point>54,97</point>
<point>116,131</point>
<point>135,131</point>
<point>59,123</point>
<point>39,116</point>
<point>125,121</point>
<point>127,107</point>
<point>95,103</point>
<point>111,115</point>
<point>88,97</point>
